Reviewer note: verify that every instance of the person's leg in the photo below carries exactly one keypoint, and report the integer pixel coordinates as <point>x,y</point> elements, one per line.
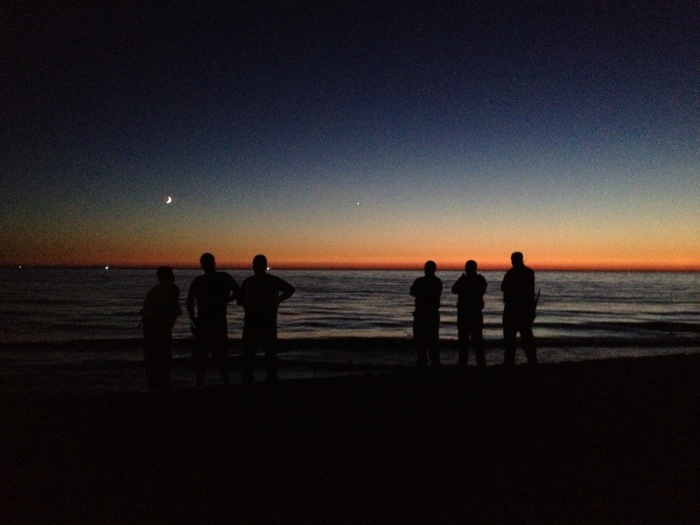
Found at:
<point>271,361</point>
<point>200,353</point>
<point>529,343</point>
<point>161,365</point>
<point>248,364</point>
<point>166,365</point>
<point>462,340</point>
<point>433,338</point>
<point>221,358</point>
<point>419,342</point>
<point>249,342</point>
<point>149,359</point>
<point>270,341</point>
<point>477,332</point>
<point>510,330</point>
<point>220,352</point>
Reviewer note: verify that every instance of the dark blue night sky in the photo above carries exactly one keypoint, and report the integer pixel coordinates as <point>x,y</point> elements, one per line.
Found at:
<point>373,134</point>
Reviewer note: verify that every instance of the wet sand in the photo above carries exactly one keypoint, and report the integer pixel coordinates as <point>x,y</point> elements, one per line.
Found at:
<point>597,441</point>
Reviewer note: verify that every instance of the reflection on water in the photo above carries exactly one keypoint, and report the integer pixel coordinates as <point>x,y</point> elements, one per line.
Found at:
<point>60,304</point>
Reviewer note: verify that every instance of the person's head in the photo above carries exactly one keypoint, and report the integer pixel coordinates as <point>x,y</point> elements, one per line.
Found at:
<point>470,267</point>
<point>430,268</point>
<point>207,262</point>
<point>165,275</point>
<point>517,259</point>
<point>259,264</point>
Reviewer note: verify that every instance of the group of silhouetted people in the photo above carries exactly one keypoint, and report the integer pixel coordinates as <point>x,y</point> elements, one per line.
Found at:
<point>261,294</point>
<point>520,305</point>
<point>207,302</point>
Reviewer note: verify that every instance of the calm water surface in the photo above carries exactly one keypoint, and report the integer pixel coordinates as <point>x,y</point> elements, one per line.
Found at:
<point>62,305</point>
<point>581,316</point>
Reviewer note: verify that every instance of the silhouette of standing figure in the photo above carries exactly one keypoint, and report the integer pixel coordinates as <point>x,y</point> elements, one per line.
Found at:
<point>211,293</point>
<point>426,317</point>
<point>470,289</point>
<point>261,295</point>
<point>518,289</point>
<point>158,316</point>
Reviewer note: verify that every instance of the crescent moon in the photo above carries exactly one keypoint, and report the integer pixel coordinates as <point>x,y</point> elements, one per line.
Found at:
<point>168,200</point>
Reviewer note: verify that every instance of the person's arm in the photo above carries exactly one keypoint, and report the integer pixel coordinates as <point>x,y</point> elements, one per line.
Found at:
<point>286,289</point>
<point>147,310</point>
<point>533,297</point>
<point>234,292</point>
<point>174,309</point>
<point>240,294</point>
<point>191,294</point>
<point>177,309</point>
<point>458,283</point>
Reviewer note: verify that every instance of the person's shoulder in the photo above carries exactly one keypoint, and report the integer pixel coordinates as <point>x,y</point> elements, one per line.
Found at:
<point>225,277</point>
<point>527,270</point>
<point>199,284</point>
<point>278,280</point>
<point>422,281</point>
<point>197,281</point>
<point>251,280</point>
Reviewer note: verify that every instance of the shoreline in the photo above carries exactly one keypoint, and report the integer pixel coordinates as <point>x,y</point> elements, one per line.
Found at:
<point>99,366</point>
<point>594,441</point>
<point>677,334</point>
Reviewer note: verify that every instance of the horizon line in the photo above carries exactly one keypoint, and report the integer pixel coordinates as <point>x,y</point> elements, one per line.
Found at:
<point>341,267</point>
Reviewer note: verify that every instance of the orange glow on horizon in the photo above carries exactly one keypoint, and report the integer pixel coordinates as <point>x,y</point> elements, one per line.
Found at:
<point>185,253</point>
<point>374,264</point>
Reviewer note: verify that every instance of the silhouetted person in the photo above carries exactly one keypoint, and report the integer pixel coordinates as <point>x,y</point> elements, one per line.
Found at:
<point>470,289</point>
<point>211,293</point>
<point>158,316</point>
<point>518,288</point>
<point>261,295</point>
<point>426,317</point>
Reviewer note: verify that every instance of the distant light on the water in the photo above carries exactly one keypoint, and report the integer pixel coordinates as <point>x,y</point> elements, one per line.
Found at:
<point>106,267</point>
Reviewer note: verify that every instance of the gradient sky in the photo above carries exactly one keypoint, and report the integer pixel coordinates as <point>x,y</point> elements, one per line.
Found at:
<point>374,134</point>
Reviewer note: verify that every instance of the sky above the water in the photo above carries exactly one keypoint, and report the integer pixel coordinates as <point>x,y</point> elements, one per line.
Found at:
<point>372,134</point>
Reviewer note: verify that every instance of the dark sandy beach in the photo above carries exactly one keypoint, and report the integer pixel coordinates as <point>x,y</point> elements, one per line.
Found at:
<point>599,441</point>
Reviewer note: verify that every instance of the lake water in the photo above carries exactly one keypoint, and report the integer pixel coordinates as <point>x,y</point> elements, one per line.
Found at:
<point>63,305</point>
<point>581,315</point>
